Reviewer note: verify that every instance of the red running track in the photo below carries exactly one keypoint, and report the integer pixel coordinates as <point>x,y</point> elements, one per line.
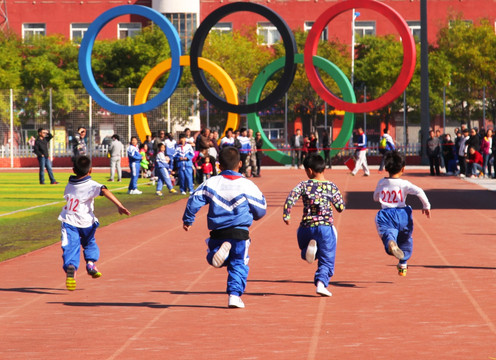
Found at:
<point>159,299</point>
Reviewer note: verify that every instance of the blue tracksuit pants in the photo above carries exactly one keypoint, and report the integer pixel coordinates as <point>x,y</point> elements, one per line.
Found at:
<point>237,263</point>
<point>185,174</point>
<point>163,178</point>
<point>135,172</point>
<point>72,240</point>
<point>396,224</point>
<point>326,237</point>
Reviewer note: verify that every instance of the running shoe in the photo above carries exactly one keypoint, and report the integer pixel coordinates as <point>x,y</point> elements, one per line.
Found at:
<point>322,290</point>
<point>402,268</point>
<point>70,280</point>
<point>311,251</point>
<point>221,255</point>
<point>394,250</point>
<point>236,302</point>
<point>92,270</point>
<point>159,193</point>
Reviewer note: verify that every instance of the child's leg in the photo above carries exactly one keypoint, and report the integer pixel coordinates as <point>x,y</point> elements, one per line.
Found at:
<point>237,267</point>
<point>182,181</point>
<point>326,237</point>
<point>405,240</point>
<point>189,179</point>
<point>91,251</point>
<point>161,179</point>
<point>387,227</point>
<point>167,180</point>
<point>71,245</point>
<point>304,235</point>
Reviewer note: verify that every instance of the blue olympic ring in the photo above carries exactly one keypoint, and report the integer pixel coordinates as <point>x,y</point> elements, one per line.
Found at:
<point>84,59</point>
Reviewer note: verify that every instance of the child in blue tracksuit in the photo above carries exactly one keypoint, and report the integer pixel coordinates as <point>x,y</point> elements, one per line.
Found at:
<point>234,202</point>
<point>134,157</point>
<point>394,221</point>
<point>162,170</point>
<point>316,235</point>
<point>183,161</point>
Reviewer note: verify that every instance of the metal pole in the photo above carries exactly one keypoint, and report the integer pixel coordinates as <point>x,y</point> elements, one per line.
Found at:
<point>353,47</point>
<point>286,119</point>
<point>208,114</point>
<point>11,128</point>
<point>365,114</point>
<point>51,123</point>
<point>424,80</point>
<point>444,109</point>
<point>405,141</point>
<point>168,116</point>
<point>484,107</point>
<point>129,116</point>
<point>90,135</point>
<point>325,118</point>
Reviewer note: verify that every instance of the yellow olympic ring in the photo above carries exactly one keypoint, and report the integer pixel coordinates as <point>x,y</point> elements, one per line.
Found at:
<point>225,81</point>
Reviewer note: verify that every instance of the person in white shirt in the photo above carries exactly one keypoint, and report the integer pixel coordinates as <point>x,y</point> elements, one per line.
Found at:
<point>394,221</point>
<point>115,153</point>
<point>79,223</point>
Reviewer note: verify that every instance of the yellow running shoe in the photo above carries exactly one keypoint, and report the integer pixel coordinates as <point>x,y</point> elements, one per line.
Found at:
<point>92,270</point>
<point>70,280</point>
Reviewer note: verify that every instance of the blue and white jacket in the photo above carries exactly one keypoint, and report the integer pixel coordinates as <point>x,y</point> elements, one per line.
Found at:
<point>133,154</point>
<point>184,151</point>
<point>234,202</point>
<point>362,142</point>
<point>245,144</point>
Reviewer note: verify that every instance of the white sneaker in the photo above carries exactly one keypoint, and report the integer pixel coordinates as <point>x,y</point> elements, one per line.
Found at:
<point>311,251</point>
<point>221,254</point>
<point>235,302</point>
<point>183,192</point>
<point>138,192</point>
<point>322,290</point>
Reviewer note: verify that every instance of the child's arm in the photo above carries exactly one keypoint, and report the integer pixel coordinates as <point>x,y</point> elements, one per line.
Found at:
<point>108,194</point>
<point>415,190</point>
<point>337,199</point>
<point>256,202</point>
<point>292,198</point>
<point>195,203</point>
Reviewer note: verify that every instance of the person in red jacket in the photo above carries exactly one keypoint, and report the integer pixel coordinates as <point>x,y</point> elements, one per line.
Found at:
<point>474,161</point>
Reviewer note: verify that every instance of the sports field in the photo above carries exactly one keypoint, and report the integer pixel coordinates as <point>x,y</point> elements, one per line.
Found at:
<point>159,299</point>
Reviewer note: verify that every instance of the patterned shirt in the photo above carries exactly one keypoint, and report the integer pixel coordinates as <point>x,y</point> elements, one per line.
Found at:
<point>317,198</point>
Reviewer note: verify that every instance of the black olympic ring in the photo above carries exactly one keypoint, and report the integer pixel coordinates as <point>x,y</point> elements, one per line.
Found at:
<point>199,41</point>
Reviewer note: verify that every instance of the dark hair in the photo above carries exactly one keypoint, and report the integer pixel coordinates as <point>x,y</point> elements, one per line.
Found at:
<point>314,162</point>
<point>394,161</point>
<point>133,137</point>
<point>229,158</point>
<point>82,165</point>
<point>182,136</point>
<point>116,137</point>
<point>40,130</point>
<point>242,130</point>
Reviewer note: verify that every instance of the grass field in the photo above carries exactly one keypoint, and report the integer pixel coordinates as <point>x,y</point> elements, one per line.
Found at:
<point>29,211</point>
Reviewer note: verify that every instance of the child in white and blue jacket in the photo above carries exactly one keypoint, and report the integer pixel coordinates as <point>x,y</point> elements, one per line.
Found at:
<point>162,170</point>
<point>134,157</point>
<point>183,161</point>
<point>234,202</point>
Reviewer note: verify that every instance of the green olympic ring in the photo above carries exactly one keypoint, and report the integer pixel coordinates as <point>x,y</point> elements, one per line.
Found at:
<point>323,64</point>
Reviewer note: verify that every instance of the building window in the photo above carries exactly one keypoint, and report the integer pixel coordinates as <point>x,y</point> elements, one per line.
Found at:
<point>364,28</point>
<point>268,32</point>
<point>414,27</point>
<point>185,24</point>
<point>78,30</point>
<point>128,29</point>
<point>308,25</point>
<point>29,31</point>
<point>222,27</point>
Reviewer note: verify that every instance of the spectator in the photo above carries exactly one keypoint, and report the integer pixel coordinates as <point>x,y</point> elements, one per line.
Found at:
<point>170,148</point>
<point>79,142</point>
<point>163,171</point>
<point>326,148</point>
<point>448,149</point>
<point>474,140</point>
<point>486,151</point>
<point>386,145</point>
<point>40,148</point>
<point>207,168</point>
<point>145,162</point>
<point>296,143</point>
<point>441,141</point>
<point>252,158</point>
<point>244,150</point>
<point>313,146</point>
<point>259,142</point>
<point>462,152</point>
<point>115,153</point>
<point>433,152</point>
<point>190,138</point>
<point>361,154</point>
<point>475,162</point>
<point>183,158</point>
<point>134,157</point>
<point>492,157</point>
<point>227,140</point>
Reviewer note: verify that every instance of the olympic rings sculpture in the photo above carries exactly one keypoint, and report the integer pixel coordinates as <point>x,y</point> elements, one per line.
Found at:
<point>333,71</point>
<point>198,65</point>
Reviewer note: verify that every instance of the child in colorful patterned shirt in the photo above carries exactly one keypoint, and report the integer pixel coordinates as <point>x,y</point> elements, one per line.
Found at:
<point>316,234</point>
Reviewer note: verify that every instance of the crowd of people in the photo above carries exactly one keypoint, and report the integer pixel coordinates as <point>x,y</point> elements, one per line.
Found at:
<point>469,154</point>
<point>186,160</point>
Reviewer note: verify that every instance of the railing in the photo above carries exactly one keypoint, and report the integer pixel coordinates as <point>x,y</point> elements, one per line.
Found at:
<point>26,151</point>
<point>411,149</point>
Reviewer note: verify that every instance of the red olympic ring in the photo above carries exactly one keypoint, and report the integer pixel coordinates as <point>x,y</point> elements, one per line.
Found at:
<point>407,69</point>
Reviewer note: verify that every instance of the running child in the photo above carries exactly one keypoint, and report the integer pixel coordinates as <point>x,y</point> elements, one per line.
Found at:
<point>317,236</point>
<point>79,223</point>
<point>394,221</point>
<point>163,170</point>
<point>234,202</point>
